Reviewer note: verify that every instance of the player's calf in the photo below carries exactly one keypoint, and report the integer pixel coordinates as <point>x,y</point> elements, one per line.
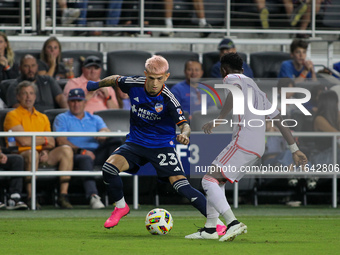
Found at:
<point>196,198</point>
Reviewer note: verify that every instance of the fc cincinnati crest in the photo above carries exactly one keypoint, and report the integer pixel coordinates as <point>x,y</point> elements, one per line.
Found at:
<point>158,107</point>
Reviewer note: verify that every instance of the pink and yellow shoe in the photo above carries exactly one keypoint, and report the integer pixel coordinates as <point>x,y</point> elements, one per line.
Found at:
<point>221,229</point>
<point>116,215</point>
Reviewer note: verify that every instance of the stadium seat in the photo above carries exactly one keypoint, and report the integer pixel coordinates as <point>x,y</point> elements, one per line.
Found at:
<point>335,88</point>
<point>210,58</point>
<point>18,54</point>
<point>62,83</point>
<point>177,60</point>
<point>78,57</point>
<point>3,113</point>
<point>4,85</point>
<point>267,64</point>
<point>127,62</point>
<point>117,120</point>
<point>52,113</point>
<point>3,180</point>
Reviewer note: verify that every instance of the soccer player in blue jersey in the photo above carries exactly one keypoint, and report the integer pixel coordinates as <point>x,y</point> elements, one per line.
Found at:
<point>153,117</point>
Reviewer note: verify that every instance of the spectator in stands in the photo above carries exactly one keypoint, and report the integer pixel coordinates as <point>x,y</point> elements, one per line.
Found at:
<point>112,16</point>
<point>294,14</point>
<point>200,13</point>
<point>336,66</point>
<point>8,69</point>
<point>50,94</point>
<point>228,46</point>
<point>277,154</point>
<point>122,99</point>
<point>299,68</point>
<point>12,162</point>
<point>312,104</point>
<point>50,62</point>
<point>88,151</point>
<point>188,92</point>
<point>307,16</point>
<point>102,99</point>
<point>263,12</point>
<point>327,119</point>
<point>68,15</point>
<point>27,118</point>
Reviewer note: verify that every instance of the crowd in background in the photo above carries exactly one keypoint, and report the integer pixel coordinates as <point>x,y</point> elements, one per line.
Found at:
<point>32,88</point>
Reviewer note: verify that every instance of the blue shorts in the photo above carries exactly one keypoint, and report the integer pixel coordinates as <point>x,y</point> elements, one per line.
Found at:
<point>164,160</point>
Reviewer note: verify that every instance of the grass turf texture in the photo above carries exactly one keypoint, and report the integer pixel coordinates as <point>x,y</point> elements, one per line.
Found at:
<point>271,230</point>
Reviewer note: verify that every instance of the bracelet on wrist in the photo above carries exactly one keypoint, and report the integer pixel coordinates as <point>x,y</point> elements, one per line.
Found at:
<point>108,98</point>
<point>46,142</point>
<point>81,151</point>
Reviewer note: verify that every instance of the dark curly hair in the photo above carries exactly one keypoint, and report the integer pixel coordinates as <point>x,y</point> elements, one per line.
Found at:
<point>232,60</point>
<point>298,43</point>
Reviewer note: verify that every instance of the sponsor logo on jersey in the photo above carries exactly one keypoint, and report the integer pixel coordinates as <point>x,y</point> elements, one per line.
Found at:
<point>171,143</point>
<point>158,107</point>
<point>133,108</point>
<point>179,111</point>
<point>145,114</point>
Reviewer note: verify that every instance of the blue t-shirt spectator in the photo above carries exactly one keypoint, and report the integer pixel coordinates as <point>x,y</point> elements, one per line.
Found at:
<point>288,70</point>
<point>67,122</point>
<point>190,97</point>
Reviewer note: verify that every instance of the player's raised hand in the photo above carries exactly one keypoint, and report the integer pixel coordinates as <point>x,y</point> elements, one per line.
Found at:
<point>207,127</point>
<point>183,139</point>
<point>300,158</point>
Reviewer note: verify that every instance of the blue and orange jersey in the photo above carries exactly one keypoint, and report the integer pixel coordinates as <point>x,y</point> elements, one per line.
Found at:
<point>153,119</point>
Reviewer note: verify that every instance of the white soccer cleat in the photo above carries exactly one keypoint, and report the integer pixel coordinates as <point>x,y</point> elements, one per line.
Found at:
<point>233,231</point>
<point>203,234</point>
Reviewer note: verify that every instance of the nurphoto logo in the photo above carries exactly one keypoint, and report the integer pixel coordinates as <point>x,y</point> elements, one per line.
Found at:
<point>239,104</point>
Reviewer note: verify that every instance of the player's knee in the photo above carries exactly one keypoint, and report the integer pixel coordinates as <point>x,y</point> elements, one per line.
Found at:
<point>109,172</point>
<point>175,178</point>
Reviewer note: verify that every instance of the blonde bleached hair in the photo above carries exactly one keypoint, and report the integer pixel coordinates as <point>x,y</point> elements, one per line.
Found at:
<point>156,65</point>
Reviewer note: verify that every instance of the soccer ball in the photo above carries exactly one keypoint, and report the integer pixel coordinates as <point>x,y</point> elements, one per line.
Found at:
<point>158,221</point>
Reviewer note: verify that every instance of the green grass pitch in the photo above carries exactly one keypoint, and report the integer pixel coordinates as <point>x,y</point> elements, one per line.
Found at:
<point>271,230</point>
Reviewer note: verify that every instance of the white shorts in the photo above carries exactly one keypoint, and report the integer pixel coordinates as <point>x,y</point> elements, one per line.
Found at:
<point>231,159</point>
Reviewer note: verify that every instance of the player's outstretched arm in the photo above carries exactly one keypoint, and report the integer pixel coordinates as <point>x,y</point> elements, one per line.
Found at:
<point>298,156</point>
<point>109,81</point>
<point>227,107</point>
<point>183,137</point>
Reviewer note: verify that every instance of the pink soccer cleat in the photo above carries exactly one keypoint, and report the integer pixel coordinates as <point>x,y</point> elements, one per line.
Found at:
<point>116,215</point>
<point>221,229</point>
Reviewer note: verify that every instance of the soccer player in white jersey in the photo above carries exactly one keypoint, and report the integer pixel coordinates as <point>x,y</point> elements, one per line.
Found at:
<point>246,147</point>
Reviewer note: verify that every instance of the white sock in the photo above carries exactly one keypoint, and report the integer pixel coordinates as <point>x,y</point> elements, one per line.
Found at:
<point>168,22</point>
<point>120,203</point>
<point>202,22</point>
<point>229,216</point>
<point>211,223</point>
<point>215,196</point>
<point>219,222</point>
